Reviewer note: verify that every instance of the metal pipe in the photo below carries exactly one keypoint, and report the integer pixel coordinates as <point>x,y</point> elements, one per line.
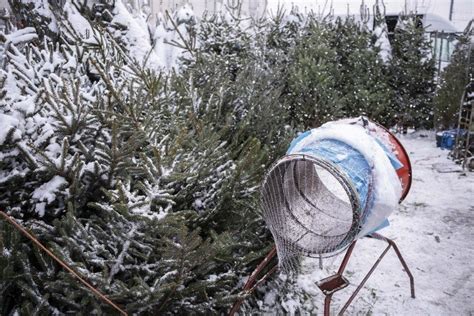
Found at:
<point>251,283</point>
<point>346,258</point>
<point>60,262</point>
<point>451,10</point>
<point>402,261</point>
<point>349,301</point>
<point>327,304</point>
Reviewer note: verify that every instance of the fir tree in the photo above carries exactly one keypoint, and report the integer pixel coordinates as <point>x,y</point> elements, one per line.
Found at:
<point>145,180</point>
<point>412,74</point>
<point>145,183</point>
<point>312,92</point>
<point>336,73</point>
<point>362,79</point>
<point>453,81</point>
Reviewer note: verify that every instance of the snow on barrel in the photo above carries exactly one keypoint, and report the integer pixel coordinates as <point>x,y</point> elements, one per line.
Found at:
<point>336,183</point>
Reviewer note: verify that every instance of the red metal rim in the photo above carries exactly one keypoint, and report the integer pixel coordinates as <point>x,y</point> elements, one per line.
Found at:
<point>404,173</point>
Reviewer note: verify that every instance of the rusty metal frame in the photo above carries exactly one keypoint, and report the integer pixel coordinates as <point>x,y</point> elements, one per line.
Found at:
<point>325,284</point>
<point>252,281</point>
<point>331,284</point>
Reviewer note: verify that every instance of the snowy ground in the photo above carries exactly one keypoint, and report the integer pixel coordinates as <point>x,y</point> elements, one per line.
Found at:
<point>433,228</point>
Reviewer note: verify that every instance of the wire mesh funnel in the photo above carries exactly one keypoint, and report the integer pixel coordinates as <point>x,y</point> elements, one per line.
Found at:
<point>310,207</point>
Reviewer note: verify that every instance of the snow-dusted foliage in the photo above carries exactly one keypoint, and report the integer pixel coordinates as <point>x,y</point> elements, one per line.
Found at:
<point>451,85</point>
<point>412,74</point>
<point>135,152</point>
<point>380,32</point>
<point>337,72</point>
<point>128,174</point>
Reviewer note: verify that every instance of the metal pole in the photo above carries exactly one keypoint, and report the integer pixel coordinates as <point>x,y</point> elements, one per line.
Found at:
<point>61,262</point>
<point>327,305</point>
<point>455,151</point>
<point>400,257</point>
<point>252,281</point>
<point>340,271</point>
<point>349,301</point>
<point>405,266</point>
<point>328,295</point>
<point>440,52</point>
<point>435,50</point>
<point>346,258</point>
<point>451,10</point>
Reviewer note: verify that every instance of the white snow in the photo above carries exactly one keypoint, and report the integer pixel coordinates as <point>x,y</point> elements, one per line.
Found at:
<point>139,40</point>
<point>47,192</point>
<point>42,7</point>
<point>165,38</point>
<point>118,265</point>
<point>77,21</point>
<point>290,305</point>
<point>21,36</point>
<point>433,228</point>
<point>7,123</point>
<point>383,43</point>
<point>212,278</point>
<point>185,13</point>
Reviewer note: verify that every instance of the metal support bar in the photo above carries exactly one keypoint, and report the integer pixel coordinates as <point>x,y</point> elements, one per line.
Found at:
<point>331,284</point>
<point>359,287</point>
<point>252,282</point>
<point>324,284</point>
<point>327,304</point>
<point>402,261</point>
<point>347,256</point>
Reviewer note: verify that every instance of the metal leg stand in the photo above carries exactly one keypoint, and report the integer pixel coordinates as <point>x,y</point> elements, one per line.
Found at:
<point>253,282</point>
<point>337,282</point>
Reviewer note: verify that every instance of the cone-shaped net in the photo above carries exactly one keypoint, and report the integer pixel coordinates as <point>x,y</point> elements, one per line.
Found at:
<point>310,208</point>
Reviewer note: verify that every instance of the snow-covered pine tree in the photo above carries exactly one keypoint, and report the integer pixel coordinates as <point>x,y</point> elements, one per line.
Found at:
<point>380,32</point>
<point>361,74</point>
<point>279,36</point>
<point>312,94</point>
<point>144,183</point>
<point>412,74</point>
<point>232,77</point>
<point>37,14</point>
<point>337,72</point>
<point>452,83</point>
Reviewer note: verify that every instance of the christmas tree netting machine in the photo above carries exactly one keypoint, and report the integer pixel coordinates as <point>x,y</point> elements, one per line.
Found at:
<point>336,183</point>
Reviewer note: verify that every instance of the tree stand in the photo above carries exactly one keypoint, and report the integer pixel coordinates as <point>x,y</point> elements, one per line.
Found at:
<point>329,285</point>
<point>337,282</point>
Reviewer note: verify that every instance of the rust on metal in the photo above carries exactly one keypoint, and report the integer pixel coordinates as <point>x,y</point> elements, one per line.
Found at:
<point>332,284</point>
<point>252,282</point>
<point>35,240</point>
<point>336,282</point>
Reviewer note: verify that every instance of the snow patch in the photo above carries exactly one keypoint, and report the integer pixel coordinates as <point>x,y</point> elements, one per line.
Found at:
<point>23,35</point>
<point>139,40</point>
<point>46,193</point>
<point>7,123</point>
<point>78,22</point>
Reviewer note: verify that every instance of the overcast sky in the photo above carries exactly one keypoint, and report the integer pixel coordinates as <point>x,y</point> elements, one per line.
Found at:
<point>462,9</point>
